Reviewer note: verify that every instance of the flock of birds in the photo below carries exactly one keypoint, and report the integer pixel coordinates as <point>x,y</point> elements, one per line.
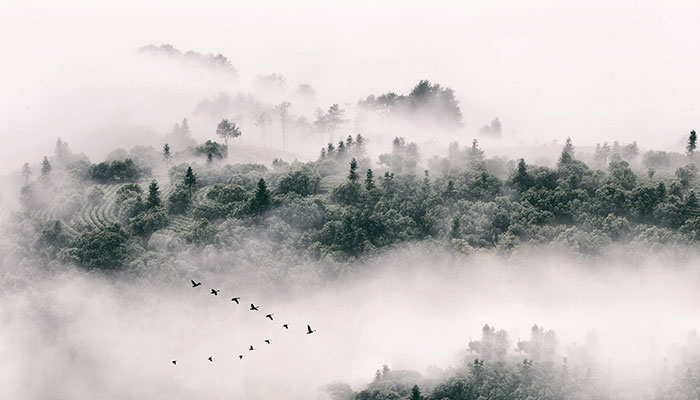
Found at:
<point>253,307</point>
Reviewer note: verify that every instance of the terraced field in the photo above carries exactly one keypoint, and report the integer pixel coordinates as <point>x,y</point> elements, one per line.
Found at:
<point>103,212</point>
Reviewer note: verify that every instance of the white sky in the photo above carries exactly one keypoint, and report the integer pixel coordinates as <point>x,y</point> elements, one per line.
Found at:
<point>592,70</point>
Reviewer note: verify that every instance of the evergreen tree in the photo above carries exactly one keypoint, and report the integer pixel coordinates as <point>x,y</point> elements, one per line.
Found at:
<point>261,201</point>
<point>166,153</point>
<point>353,177</point>
<point>455,229</point>
<point>190,179</point>
<point>153,195</point>
<point>415,393</point>
<point>692,144</point>
<point>567,153</point>
<point>369,180</point>
<point>521,179</point>
<point>45,167</point>
<point>26,172</point>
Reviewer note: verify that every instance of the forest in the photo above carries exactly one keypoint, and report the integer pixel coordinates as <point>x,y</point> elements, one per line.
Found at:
<point>345,206</point>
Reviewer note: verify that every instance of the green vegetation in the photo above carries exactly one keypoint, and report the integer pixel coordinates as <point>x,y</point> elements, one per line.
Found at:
<point>491,371</point>
<point>339,208</point>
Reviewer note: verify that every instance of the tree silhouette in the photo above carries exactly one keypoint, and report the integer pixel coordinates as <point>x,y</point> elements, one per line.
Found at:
<point>227,130</point>
<point>45,167</point>
<point>166,153</point>
<point>282,111</point>
<point>153,199</point>
<point>190,179</point>
<point>352,176</point>
<point>692,144</point>
<point>261,201</point>
<point>26,172</point>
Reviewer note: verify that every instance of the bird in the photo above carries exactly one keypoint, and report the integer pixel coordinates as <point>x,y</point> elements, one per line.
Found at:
<point>285,326</point>
<point>267,341</point>
<point>309,330</point>
<point>195,284</point>
<point>253,307</point>
<point>236,299</point>
<point>211,359</point>
<point>174,362</point>
<point>215,292</point>
<point>269,316</point>
<point>240,356</point>
<point>251,348</point>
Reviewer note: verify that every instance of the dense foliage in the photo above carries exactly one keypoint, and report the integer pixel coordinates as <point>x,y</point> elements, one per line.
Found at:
<point>340,208</point>
<point>115,171</point>
<point>489,370</point>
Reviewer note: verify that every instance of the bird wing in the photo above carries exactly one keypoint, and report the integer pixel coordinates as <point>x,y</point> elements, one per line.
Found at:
<point>308,328</point>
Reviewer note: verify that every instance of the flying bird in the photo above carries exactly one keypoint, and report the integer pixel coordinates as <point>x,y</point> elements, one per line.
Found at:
<point>285,326</point>
<point>236,299</point>
<point>267,341</point>
<point>240,357</point>
<point>251,348</point>
<point>195,284</point>
<point>174,362</point>
<point>253,307</point>
<point>215,292</point>
<point>211,359</point>
<point>269,316</point>
<point>309,330</point>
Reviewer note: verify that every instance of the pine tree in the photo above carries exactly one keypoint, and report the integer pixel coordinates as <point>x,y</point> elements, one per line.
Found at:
<point>455,229</point>
<point>153,195</point>
<point>522,179</point>
<point>567,153</point>
<point>261,200</point>
<point>692,144</point>
<point>353,177</point>
<point>166,153</point>
<point>45,167</point>
<point>415,393</point>
<point>369,180</point>
<point>26,172</point>
<point>190,179</point>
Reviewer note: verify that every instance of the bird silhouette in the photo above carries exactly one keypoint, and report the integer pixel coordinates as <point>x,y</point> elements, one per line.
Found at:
<point>269,316</point>
<point>211,359</point>
<point>253,307</point>
<point>215,292</point>
<point>267,341</point>
<point>251,348</point>
<point>195,284</point>
<point>309,330</point>
<point>285,326</point>
<point>236,299</point>
<point>240,357</point>
<point>174,362</point>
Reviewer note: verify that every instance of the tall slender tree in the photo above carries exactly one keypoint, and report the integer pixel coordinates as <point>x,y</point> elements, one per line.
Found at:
<point>692,144</point>
<point>352,176</point>
<point>190,179</point>
<point>282,111</point>
<point>153,199</point>
<point>45,167</point>
<point>26,172</point>
<point>166,153</point>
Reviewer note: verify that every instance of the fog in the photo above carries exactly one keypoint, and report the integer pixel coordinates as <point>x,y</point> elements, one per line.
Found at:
<point>593,70</point>
<point>74,334</point>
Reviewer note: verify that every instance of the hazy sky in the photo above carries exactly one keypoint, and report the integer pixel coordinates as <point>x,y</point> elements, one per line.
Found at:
<point>593,70</point>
